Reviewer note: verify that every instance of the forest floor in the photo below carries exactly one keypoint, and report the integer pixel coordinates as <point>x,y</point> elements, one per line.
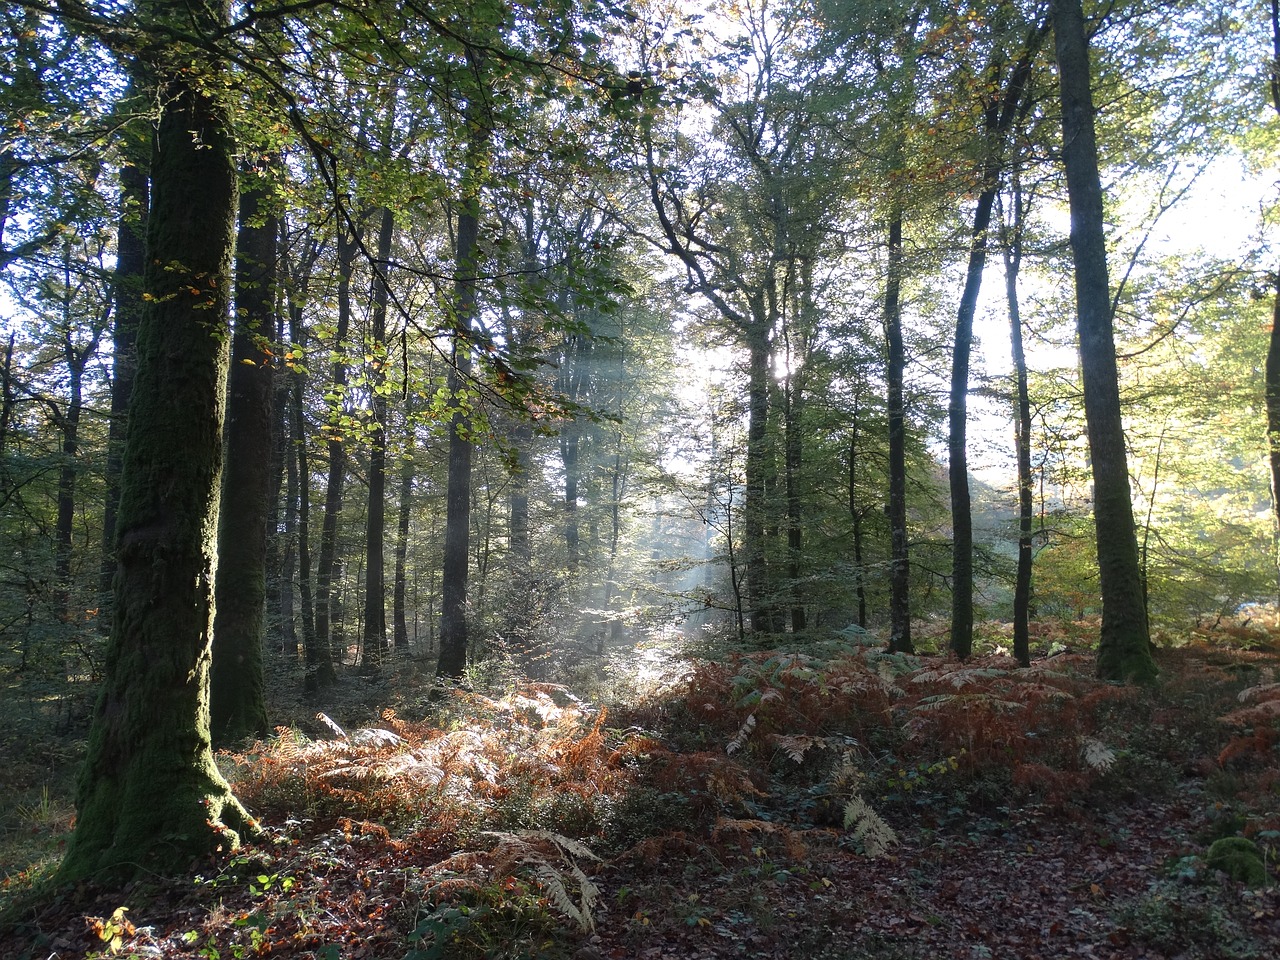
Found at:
<point>838,803</point>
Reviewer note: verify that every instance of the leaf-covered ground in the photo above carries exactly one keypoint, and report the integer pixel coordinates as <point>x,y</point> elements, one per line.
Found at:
<point>840,803</point>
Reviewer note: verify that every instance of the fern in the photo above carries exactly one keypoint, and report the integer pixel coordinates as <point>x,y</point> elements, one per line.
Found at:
<point>869,828</point>
<point>740,739</point>
<point>797,746</point>
<point>551,858</point>
<point>1097,755</point>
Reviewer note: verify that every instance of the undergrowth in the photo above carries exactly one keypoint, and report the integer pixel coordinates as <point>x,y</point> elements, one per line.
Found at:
<point>474,824</point>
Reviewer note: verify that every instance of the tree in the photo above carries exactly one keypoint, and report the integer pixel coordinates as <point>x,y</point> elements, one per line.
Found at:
<point>1006,99</point>
<point>375,607</point>
<point>135,185</point>
<point>453,601</point>
<point>238,706</point>
<point>1124,645</point>
<point>1272,370</point>
<point>1011,242</point>
<point>149,796</point>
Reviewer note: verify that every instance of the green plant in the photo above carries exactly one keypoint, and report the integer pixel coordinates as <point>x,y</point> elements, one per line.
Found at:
<point>1177,919</point>
<point>1240,859</point>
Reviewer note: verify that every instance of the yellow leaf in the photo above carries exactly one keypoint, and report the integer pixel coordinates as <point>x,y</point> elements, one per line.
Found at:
<point>249,362</point>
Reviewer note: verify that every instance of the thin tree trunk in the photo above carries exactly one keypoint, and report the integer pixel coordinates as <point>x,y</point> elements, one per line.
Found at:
<point>453,606</point>
<point>77,359</point>
<point>519,547</point>
<point>399,612</point>
<point>127,309</point>
<point>794,458</point>
<point>998,118</point>
<point>317,658</point>
<point>237,683</point>
<point>8,396</point>
<point>1124,646</point>
<point>1271,373</point>
<point>895,371</point>
<point>375,606</point>
<point>856,513</point>
<point>287,567</point>
<point>757,588</point>
<point>327,563</point>
<point>1022,441</point>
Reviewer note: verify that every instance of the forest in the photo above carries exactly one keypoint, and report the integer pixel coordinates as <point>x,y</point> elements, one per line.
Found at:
<point>639,479</point>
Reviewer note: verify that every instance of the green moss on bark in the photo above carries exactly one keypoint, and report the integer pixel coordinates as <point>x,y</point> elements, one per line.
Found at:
<point>149,797</point>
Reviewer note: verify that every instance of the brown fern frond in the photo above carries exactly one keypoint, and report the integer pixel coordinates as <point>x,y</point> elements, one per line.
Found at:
<point>328,722</point>
<point>727,825</point>
<point>1262,692</point>
<point>1264,712</point>
<point>796,746</point>
<point>740,738</point>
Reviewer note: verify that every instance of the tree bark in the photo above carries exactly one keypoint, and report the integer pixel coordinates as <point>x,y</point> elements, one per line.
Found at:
<point>1271,372</point>
<point>375,601</point>
<point>856,514</point>
<point>1022,441</point>
<point>237,686</point>
<point>998,118</point>
<point>399,603</point>
<point>1124,646</point>
<point>77,359</point>
<point>326,603</point>
<point>318,660</point>
<point>895,371</point>
<point>135,185</point>
<point>453,605</point>
<point>149,797</point>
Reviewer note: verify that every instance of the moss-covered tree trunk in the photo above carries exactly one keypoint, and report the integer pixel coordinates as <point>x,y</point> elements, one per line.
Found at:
<point>1124,647</point>
<point>237,685</point>
<point>149,797</point>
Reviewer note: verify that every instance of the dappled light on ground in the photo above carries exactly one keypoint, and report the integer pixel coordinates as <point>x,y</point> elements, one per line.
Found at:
<point>847,803</point>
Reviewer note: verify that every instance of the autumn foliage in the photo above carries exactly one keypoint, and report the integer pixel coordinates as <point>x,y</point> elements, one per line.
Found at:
<point>523,822</point>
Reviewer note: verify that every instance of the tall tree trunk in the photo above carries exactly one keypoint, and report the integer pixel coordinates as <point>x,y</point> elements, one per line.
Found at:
<point>958,415</point>
<point>758,590</point>
<point>131,261</point>
<point>327,562</point>
<point>399,604</point>
<point>317,657</point>
<point>76,358</point>
<point>794,459</point>
<point>149,797</point>
<point>1022,440</point>
<point>998,118</point>
<point>1124,646</point>
<point>1272,369</point>
<point>519,547</point>
<point>895,372</point>
<point>856,513</point>
<point>8,395</point>
<point>453,605</point>
<point>375,601</point>
<point>238,703</point>
<point>286,513</point>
